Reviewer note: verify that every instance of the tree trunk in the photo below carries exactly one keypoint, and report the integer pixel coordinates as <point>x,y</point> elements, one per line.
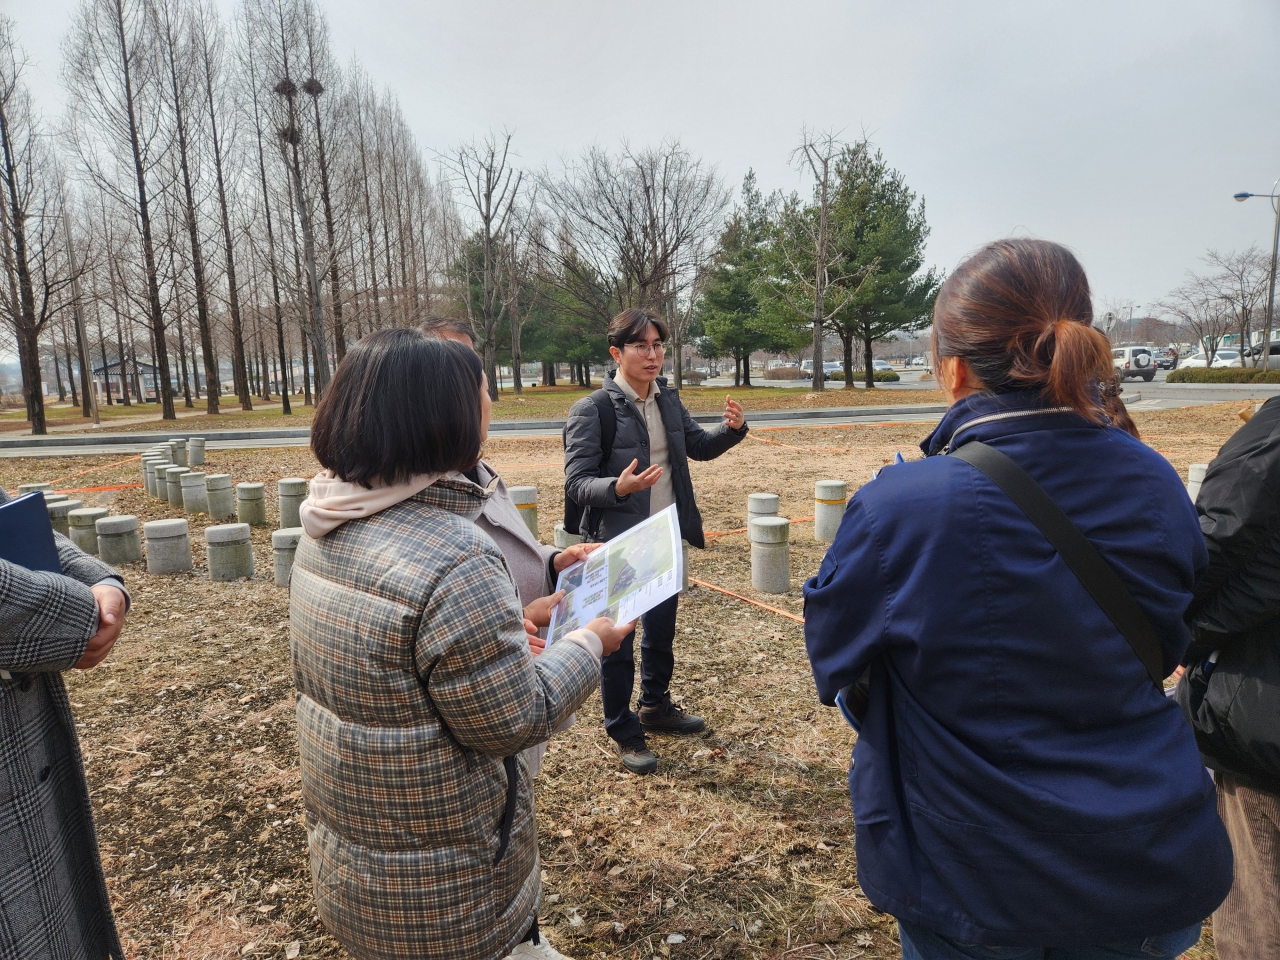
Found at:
<point>868,359</point>
<point>335,291</point>
<point>33,379</point>
<point>71,370</point>
<point>846,341</point>
<point>548,373</point>
<point>746,369</point>
<point>306,372</point>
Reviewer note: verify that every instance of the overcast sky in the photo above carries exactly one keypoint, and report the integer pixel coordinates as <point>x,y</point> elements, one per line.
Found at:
<point>1119,128</point>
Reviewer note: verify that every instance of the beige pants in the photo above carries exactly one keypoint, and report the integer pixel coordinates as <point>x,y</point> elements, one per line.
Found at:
<point>1247,925</point>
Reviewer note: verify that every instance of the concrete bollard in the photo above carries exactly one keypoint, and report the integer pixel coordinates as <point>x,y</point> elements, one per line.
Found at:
<point>149,468</point>
<point>25,488</point>
<point>54,497</point>
<point>684,564</point>
<point>173,485</point>
<point>251,504</point>
<point>830,497</point>
<point>293,490</point>
<point>761,505</point>
<point>168,546</point>
<point>118,540</point>
<point>564,539</point>
<point>770,554</point>
<point>284,543</point>
<point>526,501</point>
<point>83,532</point>
<point>195,452</point>
<point>219,496</point>
<point>230,551</point>
<point>195,498</point>
<point>58,515</point>
<point>179,451</point>
<point>1195,477</point>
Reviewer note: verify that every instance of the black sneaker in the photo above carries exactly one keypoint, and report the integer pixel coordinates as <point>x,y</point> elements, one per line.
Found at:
<point>666,717</point>
<point>636,756</point>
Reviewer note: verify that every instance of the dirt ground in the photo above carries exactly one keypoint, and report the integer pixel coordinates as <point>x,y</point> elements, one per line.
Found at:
<point>741,844</point>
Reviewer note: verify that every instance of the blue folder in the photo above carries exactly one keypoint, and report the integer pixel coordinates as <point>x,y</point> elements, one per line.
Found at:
<point>26,535</point>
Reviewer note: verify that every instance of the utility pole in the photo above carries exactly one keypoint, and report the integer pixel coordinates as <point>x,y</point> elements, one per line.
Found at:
<point>77,308</point>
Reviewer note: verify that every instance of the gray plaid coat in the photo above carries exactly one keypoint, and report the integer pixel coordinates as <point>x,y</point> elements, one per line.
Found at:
<point>53,900</point>
<point>416,694</point>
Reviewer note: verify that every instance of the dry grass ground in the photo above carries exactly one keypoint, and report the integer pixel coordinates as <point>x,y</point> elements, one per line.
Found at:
<point>741,844</point>
<point>536,403</point>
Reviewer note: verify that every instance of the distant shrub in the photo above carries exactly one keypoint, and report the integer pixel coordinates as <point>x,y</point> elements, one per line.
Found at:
<point>783,373</point>
<point>880,376</point>
<point>1223,375</point>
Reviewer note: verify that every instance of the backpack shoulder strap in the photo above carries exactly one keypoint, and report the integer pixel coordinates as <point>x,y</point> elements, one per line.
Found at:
<point>1094,573</point>
<point>608,422</point>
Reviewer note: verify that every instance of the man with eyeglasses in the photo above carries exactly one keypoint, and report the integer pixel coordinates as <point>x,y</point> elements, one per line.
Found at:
<point>626,458</point>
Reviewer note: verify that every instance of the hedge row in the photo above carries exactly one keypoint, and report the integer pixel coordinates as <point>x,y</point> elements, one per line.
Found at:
<point>880,376</point>
<point>1223,375</point>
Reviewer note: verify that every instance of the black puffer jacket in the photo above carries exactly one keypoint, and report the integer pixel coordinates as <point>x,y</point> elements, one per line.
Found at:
<point>1234,705</point>
<point>605,514</point>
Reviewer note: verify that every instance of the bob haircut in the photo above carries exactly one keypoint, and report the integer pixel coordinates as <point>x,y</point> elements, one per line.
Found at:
<point>400,404</point>
<point>630,326</point>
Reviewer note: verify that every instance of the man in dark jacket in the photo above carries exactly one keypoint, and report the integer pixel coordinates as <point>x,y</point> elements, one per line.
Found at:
<point>1231,691</point>
<point>646,471</point>
<point>53,900</point>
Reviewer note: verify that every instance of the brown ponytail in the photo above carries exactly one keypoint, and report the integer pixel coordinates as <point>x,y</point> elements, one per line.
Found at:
<point>1019,312</point>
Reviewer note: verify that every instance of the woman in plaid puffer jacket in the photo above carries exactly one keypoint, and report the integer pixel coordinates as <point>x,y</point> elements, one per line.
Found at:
<point>416,688</point>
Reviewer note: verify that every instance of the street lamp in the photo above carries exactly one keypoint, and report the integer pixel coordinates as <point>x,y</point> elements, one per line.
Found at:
<point>1275,245</point>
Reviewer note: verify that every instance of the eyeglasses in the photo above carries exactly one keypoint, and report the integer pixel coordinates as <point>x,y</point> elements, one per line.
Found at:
<point>647,349</point>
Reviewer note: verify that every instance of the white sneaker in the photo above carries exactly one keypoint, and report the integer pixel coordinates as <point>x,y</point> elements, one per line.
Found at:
<point>543,950</point>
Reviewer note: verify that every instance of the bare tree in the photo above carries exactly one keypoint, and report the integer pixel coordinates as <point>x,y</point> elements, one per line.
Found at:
<point>491,187</point>
<point>1240,281</point>
<point>1198,305</point>
<point>112,75</point>
<point>33,250</point>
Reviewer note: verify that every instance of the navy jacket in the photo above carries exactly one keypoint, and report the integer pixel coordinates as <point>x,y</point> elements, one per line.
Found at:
<point>1019,780</point>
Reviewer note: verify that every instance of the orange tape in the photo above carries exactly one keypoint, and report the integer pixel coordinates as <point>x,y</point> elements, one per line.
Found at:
<point>119,486</point>
<point>72,476</point>
<point>755,603</point>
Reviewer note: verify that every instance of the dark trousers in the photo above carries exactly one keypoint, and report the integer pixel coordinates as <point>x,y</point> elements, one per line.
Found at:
<point>618,671</point>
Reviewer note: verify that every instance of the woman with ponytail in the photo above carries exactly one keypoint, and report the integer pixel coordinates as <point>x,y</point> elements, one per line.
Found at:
<point>1021,786</point>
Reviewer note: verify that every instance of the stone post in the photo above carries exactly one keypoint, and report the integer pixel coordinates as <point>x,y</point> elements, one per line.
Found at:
<point>173,484</point>
<point>564,539</point>
<point>195,498</point>
<point>293,490</point>
<point>150,470</point>
<point>195,452</point>
<point>83,532</point>
<point>761,505</point>
<point>58,515</point>
<point>220,497</point>
<point>684,564</point>
<point>25,488</point>
<point>179,451</point>
<point>118,540</point>
<point>54,497</point>
<point>168,546</point>
<point>251,504</point>
<point>770,554</point>
<point>830,497</point>
<point>230,551</point>
<point>526,501</point>
<point>1195,477</point>
<point>285,545</point>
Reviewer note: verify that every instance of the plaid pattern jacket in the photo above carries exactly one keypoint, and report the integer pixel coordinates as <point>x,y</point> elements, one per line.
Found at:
<point>53,899</point>
<point>416,693</point>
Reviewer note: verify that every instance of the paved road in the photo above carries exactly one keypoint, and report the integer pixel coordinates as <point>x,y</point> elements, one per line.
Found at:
<point>1156,395</point>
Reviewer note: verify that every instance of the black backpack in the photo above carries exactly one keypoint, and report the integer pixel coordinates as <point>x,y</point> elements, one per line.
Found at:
<point>608,427</point>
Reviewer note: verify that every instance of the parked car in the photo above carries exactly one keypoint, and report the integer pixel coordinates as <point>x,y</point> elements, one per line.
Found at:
<point>1134,362</point>
<point>1221,359</point>
<point>917,362</point>
<point>1273,355</point>
<point>880,365</point>
<point>1165,360</point>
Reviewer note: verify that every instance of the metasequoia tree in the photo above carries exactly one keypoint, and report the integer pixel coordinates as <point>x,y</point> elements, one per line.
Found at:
<point>112,77</point>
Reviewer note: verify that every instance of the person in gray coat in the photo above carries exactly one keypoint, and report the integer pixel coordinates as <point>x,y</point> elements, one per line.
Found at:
<point>53,898</point>
<point>645,471</point>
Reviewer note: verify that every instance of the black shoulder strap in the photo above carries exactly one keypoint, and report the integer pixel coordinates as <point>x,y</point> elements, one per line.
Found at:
<point>608,423</point>
<point>1097,576</point>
